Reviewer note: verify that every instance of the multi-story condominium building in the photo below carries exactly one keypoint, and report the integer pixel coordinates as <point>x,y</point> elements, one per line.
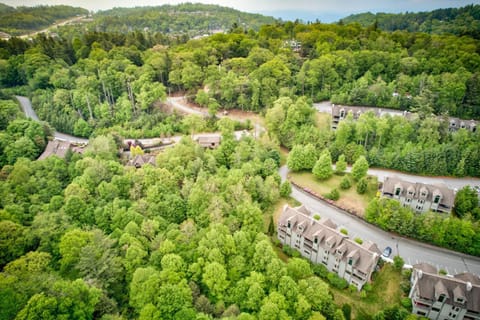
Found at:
<point>340,112</point>
<point>444,297</point>
<point>319,241</point>
<point>419,196</point>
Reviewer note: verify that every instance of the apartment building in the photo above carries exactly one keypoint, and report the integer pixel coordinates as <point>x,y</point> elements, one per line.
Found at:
<point>419,196</point>
<point>321,242</point>
<point>440,297</point>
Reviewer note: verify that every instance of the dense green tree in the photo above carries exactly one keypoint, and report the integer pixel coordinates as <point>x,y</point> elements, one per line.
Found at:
<point>359,168</point>
<point>323,167</point>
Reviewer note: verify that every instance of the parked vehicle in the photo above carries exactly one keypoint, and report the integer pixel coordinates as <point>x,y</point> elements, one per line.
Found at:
<point>387,252</point>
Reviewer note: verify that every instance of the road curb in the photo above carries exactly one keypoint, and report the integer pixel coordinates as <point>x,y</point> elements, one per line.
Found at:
<point>332,204</point>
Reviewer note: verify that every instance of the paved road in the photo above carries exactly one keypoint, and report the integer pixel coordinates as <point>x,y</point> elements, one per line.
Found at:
<point>62,23</point>
<point>179,104</point>
<point>411,251</point>
<point>30,113</point>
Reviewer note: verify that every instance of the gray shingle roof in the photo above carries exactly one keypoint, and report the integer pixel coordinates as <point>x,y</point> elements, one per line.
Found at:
<point>447,195</point>
<point>466,286</point>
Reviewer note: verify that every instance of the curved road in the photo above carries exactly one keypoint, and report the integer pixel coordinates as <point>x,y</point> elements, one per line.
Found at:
<point>30,113</point>
<point>412,251</point>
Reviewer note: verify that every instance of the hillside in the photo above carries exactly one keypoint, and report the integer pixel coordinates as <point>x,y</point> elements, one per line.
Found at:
<point>22,20</point>
<point>188,17</point>
<point>458,21</point>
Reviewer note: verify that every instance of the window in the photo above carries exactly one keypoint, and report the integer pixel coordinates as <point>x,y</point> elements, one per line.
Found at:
<point>315,240</point>
<point>350,261</point>
<point>437,199</point>
<point>397,191</point>
<point>288,225</point>
<point>435,309</point>
<point>342,113</point>
<point>441,298</point>
<point>421,313</point>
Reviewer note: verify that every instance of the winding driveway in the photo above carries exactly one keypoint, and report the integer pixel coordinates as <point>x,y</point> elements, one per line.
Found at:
<point>412,251</point>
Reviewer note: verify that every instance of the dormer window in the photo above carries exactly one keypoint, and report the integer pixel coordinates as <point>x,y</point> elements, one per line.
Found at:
<point>462,125</point>
<point>441,298</point>
<point>350,261</point>
<point>437,199</point>
<point>289,224</point>
<point>315,240</point>
<point>460,300</point>
<point>397,191</point>
<point>342,113</point>
<point>411,191</point>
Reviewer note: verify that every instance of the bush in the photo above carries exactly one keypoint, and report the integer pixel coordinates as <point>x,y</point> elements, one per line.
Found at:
<point>406,303</point>
<point>285,189</point>
<point>367,287</point>
<point>398,263</point>
<point>345,183</point>
<point>333,195</point>
<point>336,281</point>
<point>442,272</point>
<point>316,216</point>
<point>358,240</point>
<point>347,311</point>
<point>344,231</point>
<point>320,271</point>
<point>362,186</point>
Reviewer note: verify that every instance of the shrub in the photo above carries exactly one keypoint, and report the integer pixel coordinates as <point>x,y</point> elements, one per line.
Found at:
<point>336,281</point>
<point>316,216</point>
<point>320,271</point>
<point>367,287</point>
<point>344,231</point>
<point>442,272</point>
<point>285,189</point>
<point>333,195</point>
<point>406,303</point>
<point>362,186</point>
<point>358,240</point>
<point>345,183</point>
<point>347,311</point>
<point>398,263</point>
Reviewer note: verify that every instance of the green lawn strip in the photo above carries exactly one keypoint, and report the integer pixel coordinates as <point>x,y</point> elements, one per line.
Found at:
<point>348,198</point>
<point>385,292</point>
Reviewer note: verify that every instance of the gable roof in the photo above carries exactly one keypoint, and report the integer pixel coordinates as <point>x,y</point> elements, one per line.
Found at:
<point>447,199</point>
<point>430,286</point>
<point>141,160</point>
<point>58,148</point>
<point>301,222</point>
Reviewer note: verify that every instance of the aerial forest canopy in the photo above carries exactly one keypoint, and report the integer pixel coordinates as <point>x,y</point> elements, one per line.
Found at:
<point>88,237</point>
<point>458,21</point>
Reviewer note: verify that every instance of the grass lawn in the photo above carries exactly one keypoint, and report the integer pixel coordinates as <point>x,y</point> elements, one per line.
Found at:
<point>324,120</point>
<point>349,198</point>
<point>385,292</point>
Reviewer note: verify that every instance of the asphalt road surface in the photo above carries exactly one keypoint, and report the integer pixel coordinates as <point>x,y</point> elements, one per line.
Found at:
<point>411,251</point>
<point>30,113</point>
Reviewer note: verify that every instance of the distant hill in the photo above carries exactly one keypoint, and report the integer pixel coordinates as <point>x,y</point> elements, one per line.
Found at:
<point>183,18</point>
<point>4,8</point>
<point>22,20</point>
<point>458,21</point>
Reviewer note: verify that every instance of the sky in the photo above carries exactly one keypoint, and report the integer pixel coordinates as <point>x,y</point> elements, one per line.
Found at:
<point>306,10</point>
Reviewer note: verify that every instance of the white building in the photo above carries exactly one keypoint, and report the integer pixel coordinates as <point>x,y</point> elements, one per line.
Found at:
<point>320,242</point>
<point>441,297</point>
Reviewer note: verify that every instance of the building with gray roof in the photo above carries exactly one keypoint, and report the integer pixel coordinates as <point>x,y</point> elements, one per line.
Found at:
<point>419,196</point>
<point>437,296</point>
<point>321,242</point>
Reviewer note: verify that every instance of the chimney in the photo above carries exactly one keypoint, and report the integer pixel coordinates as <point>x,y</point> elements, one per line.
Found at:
<point>469,286</point>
